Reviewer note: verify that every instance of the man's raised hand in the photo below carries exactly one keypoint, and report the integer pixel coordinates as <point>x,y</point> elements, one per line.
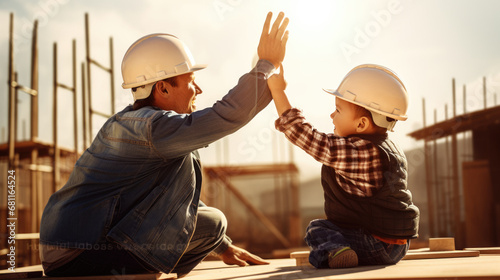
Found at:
<point>272,45</point>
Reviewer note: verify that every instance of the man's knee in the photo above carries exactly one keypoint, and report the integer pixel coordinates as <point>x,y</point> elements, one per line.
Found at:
<point>212,218</point>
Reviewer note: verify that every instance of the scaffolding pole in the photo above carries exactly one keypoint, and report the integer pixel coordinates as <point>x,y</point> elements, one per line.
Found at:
<point>14,88</point>
<point>12,96</point>
<point>110,70</point>
<point>84,109</point>
<point>34,174</point>
<point>55,170</point>
<point>428,180</point>
<point>75,111</point>
<point>484,92</point>
<point>72,89</point>
<point>459,236</point>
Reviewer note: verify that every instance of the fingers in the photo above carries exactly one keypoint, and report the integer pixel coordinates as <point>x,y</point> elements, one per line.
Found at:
<point>272,45</point>
<point>235,255</point>
<point>278,28</point>
<point>276,25</point>
<point>283,27</point>
<point>285,39</point>
<point>240,262</point>
<point>251,258</point>
<point>255,260</point>
<point>265,29</point>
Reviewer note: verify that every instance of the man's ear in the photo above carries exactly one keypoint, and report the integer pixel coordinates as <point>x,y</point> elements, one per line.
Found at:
<point>363,125</point>
<point>162,88</point>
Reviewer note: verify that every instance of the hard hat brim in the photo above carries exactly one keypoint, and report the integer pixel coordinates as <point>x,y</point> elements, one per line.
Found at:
<point>339,95</point>
<point>196,67</point>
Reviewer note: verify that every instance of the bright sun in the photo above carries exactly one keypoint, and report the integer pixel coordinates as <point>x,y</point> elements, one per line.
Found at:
<point>313,13</point>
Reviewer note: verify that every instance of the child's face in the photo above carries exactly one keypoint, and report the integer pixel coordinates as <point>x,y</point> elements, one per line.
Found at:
<point>344,118</point>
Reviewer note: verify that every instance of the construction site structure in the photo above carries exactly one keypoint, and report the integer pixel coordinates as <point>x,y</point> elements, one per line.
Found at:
<point>463,189</point>
<point>261,201</point>
<point>282,224</point>
<point>40,168</point>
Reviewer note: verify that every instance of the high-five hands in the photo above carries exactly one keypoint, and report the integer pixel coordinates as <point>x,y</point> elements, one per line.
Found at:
<point>272,45</point>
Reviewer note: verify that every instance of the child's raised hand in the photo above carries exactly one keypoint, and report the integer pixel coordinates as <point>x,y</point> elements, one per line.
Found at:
<point>277,85</point>
<point>277,81</point>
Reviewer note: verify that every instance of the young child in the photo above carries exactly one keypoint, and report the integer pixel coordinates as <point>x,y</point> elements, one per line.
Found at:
<point>369,210</point>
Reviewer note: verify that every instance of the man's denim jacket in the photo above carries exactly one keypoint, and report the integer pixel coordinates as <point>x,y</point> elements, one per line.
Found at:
<point>139,182</point>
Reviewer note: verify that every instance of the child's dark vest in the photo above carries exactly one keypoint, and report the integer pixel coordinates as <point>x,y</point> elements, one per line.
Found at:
<point>389,212</point>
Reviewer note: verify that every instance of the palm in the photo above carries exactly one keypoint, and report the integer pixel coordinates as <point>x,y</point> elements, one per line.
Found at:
<point>272,45</point>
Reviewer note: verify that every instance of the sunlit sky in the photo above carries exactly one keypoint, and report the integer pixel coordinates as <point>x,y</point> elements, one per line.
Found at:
<point>426,42</point>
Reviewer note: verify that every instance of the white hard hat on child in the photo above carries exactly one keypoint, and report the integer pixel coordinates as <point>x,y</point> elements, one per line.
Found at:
<point>153,58</point>
<point>379,90</point>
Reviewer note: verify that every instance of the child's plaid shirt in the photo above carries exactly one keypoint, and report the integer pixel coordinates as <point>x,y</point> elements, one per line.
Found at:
<point>356,161</point>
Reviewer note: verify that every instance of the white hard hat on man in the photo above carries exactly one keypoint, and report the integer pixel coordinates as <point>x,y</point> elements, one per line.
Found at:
<point>377,89</point>
<point>153,58</point>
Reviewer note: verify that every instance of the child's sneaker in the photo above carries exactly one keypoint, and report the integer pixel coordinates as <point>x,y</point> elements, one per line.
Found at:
<point>342,257</point>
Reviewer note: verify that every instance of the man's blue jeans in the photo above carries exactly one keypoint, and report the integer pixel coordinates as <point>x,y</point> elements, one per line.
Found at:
<point>322,237</point>
<point>210,231</point>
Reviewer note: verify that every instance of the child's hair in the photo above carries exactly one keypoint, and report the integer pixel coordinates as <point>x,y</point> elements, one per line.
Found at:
<point>363,112</point>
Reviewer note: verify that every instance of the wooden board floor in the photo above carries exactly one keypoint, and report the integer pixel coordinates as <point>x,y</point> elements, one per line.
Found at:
<point>482,267</point>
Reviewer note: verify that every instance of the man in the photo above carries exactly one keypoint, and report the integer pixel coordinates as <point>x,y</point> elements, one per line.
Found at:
<point>131,204</point>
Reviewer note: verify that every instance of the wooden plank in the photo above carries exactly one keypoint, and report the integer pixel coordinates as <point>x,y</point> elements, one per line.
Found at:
<point>38,275</point>
<point>465,122</point>
<point>301,258</point>
<point>27,236</point>
<point>21,275</point>
<point>245,170</point>
<point>483,267</point>
<point>285,253</point>
<point>442,244</point>
<point>35,272</point>
<point>485,250</point>
<point>24,269</point>
<point>24,148</point>
<point>121,277</point>
<point>427,254</point>
<point>299,254</point>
